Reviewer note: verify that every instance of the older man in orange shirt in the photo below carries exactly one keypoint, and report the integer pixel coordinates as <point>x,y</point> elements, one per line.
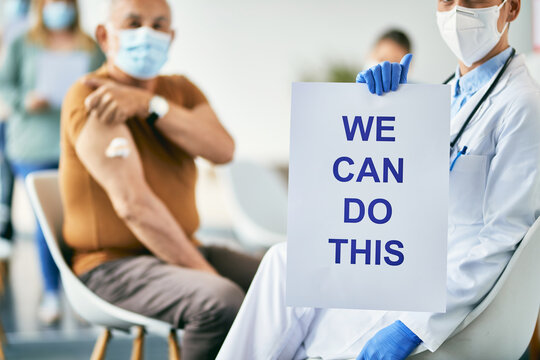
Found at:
<point>129,139</point>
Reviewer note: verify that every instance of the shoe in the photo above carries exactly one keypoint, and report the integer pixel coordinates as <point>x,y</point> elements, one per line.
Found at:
<point>6,231</point>
<point>49,309</point>
<point>6,226</point>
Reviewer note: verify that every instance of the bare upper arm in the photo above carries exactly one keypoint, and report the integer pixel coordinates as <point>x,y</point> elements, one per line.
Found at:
<point>113,174</point>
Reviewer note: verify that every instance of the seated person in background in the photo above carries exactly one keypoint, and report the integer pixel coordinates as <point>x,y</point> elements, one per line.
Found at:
<point>129,139</point>
<point>391,46</point>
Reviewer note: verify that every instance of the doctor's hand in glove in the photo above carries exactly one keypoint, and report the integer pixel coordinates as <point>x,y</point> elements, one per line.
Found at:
<point>386,76</point>
<point>394,342</point>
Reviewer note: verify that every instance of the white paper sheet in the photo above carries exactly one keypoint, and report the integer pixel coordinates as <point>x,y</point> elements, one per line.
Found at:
<point>417,117</point>
<point>56,73</point>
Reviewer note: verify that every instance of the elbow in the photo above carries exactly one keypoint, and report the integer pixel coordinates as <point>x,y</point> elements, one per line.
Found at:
<point>225,154</point>
<point>130,205</point>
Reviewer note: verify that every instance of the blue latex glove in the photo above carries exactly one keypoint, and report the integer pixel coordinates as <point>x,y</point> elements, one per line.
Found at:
<point>394,342</point>
<point>387,76</point>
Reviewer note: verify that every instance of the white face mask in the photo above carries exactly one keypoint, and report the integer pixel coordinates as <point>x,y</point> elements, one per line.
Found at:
<point>470,33</point>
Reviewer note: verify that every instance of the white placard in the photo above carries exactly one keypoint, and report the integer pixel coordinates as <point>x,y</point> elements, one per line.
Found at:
<point>57,71</point>
<point>368,172</point>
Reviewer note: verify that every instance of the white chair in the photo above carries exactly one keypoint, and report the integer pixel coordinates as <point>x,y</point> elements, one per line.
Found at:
<point>257,200</point>
<point>501,326</point>
<point>44,195</point>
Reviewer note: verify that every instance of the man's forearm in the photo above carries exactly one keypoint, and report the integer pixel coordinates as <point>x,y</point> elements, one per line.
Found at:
<point>154,226</point>
<point>198,132</point>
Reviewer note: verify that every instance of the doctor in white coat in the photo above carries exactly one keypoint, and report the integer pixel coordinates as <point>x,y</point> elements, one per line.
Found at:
<point>494,199</point>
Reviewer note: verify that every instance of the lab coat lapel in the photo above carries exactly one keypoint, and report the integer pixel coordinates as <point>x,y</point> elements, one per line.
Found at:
<point>460,118</point>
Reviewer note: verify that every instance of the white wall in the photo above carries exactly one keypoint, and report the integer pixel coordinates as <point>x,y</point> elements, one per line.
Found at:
<point>244,54</point>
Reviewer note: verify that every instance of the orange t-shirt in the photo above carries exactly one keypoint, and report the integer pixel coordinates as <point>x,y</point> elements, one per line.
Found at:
<point>91,226</point>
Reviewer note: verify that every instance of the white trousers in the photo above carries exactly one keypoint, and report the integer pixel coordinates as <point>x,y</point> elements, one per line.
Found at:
<point>267,329</point>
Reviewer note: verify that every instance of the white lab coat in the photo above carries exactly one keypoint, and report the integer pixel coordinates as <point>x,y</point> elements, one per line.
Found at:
<point>494,199</point>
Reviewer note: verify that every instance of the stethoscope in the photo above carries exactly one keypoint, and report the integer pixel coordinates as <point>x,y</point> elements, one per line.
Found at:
<point>482,100</point>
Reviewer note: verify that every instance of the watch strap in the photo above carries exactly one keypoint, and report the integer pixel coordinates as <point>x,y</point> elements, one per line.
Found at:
<point>152,118</point>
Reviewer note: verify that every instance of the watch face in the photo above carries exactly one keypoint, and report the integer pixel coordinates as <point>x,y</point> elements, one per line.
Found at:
<point>159,105</point>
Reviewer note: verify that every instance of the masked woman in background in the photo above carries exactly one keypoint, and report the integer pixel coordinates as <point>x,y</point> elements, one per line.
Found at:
<point>38,69</point>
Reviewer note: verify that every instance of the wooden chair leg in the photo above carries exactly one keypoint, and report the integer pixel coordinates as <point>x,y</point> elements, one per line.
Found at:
<point>174,351</point>
<point>3,338</point>
<point>138,345</point>
<point>534,347</point>
<point>3,342</point>
<point>3,274</point>
<point>101,345</point>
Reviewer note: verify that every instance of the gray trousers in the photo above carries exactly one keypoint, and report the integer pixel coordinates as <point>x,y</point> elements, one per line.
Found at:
<point>202,304</point>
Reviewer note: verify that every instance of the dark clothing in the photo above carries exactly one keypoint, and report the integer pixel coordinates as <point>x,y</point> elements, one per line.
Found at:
<point>6,188</point>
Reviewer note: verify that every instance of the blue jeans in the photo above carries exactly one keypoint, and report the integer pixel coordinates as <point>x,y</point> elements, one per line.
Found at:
<point>49,271</point>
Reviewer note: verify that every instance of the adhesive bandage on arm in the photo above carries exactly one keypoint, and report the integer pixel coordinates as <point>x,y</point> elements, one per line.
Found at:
<point>118,148</point>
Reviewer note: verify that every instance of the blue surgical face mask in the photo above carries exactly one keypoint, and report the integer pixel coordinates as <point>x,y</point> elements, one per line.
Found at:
<point>59,15</point>
<point>142,52</point>
<point>14,9</point>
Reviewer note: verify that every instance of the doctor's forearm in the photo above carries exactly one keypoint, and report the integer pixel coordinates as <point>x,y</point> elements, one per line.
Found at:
<point>198,132</point>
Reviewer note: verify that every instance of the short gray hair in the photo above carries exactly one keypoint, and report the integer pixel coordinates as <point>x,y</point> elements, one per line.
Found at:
<point>108,7</point>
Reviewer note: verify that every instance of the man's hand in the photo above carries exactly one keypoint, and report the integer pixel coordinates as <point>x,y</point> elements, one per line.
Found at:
<point>114,103</point>
<point>34,102</point>
<point>209,269</point>
<point>393,342</point>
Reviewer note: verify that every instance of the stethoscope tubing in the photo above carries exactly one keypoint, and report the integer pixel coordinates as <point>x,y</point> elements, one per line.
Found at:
<point>482,100</point>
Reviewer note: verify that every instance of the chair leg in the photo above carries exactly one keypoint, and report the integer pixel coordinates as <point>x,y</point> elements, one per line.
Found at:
<point>534,347</point>
<point>174,351</point>
<point>101,345</point>
<point>3,339</point>
<point>3,342</point>
<point>3,274</point>
<point>138,345</point>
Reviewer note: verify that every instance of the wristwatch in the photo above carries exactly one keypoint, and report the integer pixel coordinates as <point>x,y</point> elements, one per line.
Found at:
<point>158,108</point>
